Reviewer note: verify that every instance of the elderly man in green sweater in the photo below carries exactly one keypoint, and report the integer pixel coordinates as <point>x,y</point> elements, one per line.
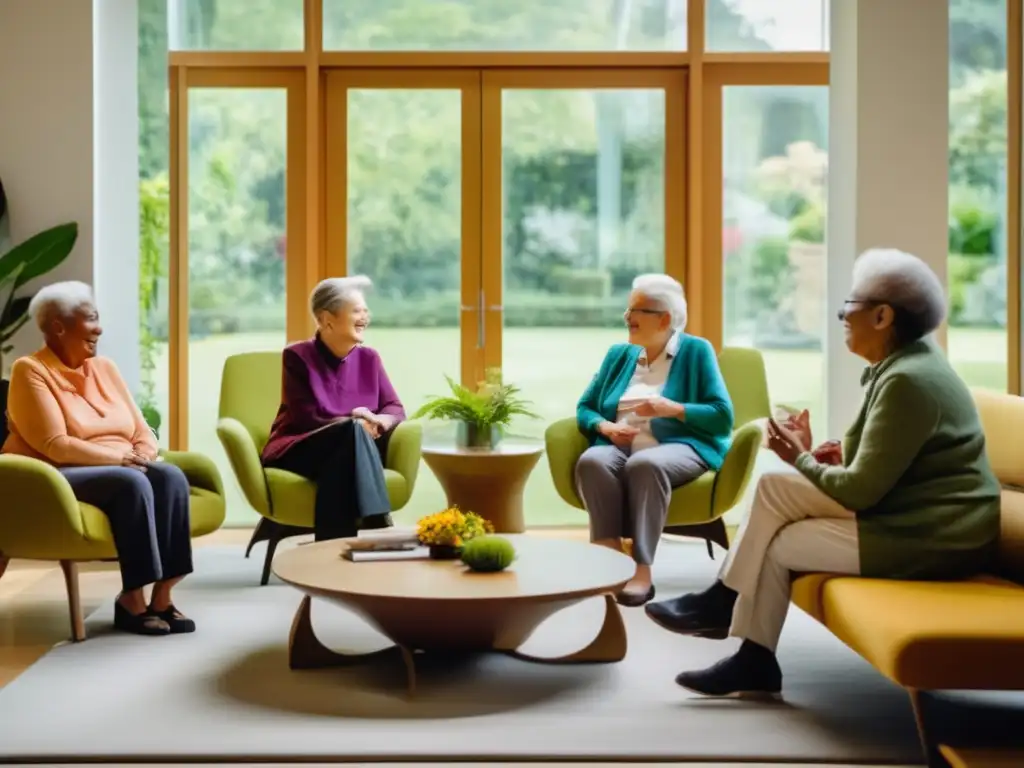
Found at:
<point>908,494</point>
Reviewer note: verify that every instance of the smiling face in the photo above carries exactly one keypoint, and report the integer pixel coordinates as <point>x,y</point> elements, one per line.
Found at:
<point>76,336</point>
<point>349,323</point>
<point>648,323</point>
<point>867,328</point>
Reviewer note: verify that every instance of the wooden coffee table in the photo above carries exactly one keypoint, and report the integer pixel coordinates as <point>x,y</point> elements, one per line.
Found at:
<point>441,606</point>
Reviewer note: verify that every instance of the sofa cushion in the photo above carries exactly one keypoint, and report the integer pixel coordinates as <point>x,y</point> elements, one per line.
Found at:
<point>1011,540</point>
<point>1002,418</point>
<point>927,635</point>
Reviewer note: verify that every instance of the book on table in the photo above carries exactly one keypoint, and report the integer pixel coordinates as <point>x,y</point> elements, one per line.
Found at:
<point>384,544</point>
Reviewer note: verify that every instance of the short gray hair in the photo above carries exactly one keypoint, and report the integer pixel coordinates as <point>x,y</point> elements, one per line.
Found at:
<point>904,282</point>
<point>667,292</point>
<point>332,294</point>
<point>59,300</point>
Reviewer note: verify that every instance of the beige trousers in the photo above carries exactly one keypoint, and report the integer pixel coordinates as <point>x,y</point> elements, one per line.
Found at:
<point>792,527</point>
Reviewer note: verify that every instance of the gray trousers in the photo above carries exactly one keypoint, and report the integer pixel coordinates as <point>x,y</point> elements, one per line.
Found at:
<point>627,496</point>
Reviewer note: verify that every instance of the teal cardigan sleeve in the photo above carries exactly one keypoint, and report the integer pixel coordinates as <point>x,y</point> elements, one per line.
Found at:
<point>711,412</point>
<point>899,421</point>
<point>588,409</point>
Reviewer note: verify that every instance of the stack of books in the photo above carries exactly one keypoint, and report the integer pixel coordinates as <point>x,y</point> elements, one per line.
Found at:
<point>384,544</point>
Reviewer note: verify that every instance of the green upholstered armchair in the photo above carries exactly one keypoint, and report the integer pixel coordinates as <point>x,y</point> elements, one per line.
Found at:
<point>250,395</point>
<point>698,507</point>
<point>40,519</point>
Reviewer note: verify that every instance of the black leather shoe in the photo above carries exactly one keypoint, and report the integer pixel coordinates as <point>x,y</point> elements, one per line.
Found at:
<point>145,623</point>
<point>752,672</point>
<point>704,614</point>
<point>632,599</point>
<point>177,622</point>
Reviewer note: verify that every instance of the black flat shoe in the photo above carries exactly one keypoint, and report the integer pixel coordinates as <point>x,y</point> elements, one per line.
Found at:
<point>145,623</point>
<point>177,622</point>
<point>752,672</point>
<point>634,599</point>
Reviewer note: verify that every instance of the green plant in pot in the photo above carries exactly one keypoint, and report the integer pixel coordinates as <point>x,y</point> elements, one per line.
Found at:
<point>482,415</point>
<point>18,265</point>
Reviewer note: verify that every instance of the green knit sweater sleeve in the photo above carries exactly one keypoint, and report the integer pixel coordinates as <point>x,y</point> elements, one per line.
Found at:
<point>899,420</point>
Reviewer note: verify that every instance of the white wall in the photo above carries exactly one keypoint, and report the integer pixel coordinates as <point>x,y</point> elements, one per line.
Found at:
<point>64,156</point>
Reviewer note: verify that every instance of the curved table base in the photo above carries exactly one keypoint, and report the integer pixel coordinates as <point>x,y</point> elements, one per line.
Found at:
<point>305,651</point>
<point>609,645</point>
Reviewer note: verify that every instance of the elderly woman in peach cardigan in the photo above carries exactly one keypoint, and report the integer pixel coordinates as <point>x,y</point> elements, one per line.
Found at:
<point>72,408</point>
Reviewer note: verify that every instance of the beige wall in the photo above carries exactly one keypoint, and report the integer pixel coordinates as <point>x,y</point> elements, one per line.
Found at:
<point>57,126</point>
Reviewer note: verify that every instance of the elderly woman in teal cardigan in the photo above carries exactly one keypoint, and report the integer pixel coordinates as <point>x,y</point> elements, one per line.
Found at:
<point>909,493</point>
<point>657,416</point>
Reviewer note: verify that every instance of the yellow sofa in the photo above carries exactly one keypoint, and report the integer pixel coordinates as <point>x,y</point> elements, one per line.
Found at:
<point>925,636</point>
<point>40,519</point>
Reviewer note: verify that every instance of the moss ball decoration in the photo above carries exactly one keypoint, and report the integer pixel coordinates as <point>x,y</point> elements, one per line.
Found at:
<point>488,554</point>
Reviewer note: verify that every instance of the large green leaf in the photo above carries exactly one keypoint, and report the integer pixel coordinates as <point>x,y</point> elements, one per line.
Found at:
<point>39,254</point>
<point>5,221</point>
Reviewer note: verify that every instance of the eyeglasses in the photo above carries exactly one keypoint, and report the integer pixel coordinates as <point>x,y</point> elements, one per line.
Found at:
<point>643,311</point>
<point>865,303</point>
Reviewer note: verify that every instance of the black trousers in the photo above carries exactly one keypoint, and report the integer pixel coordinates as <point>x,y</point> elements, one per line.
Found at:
<point>148,514</point>
<point>347,466</point>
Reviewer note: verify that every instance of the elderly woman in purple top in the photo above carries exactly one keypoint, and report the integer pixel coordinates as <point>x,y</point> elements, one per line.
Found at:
<point>338,410</point>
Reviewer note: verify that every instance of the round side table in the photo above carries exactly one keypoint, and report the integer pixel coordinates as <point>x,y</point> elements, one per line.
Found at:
<point>488,481</point>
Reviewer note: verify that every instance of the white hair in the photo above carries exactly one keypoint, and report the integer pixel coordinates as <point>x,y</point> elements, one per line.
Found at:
<point>667,292</point>
<point>59,300</point>
<point>332,294</point>
<point>904,282</point>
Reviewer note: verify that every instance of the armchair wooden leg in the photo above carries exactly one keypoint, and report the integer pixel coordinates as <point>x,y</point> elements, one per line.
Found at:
<point>274,535</point>
<point>262,533</point>
<point>70,568</point>
<point>713,532</point>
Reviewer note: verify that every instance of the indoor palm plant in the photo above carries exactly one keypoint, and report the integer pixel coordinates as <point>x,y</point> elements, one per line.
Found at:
<point>20,264</point>
<point>482,415</point>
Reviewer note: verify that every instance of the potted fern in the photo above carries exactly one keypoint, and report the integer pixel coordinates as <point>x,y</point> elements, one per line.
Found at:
<point>482,415</point>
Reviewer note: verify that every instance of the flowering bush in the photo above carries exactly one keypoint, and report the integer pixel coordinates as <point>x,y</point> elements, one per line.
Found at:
<point>452,527</point>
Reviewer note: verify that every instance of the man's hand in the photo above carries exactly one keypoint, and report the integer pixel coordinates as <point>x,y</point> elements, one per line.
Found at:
<point>621,435</point>
<point>800,425</point>
<point>829,452</point>
<point>660,407</point>
<point>785,443</point>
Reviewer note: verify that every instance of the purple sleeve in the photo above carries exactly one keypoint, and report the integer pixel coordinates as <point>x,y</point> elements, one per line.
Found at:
<point>387,399</point>
<point>297,394</point>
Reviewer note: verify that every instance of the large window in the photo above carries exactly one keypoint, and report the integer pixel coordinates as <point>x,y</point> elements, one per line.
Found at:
<point>978,177</point>
<point>513,25</point>
<point>235,25</point>
<point>502,171</point>
<point>775,175</point>
<point>757,26</point>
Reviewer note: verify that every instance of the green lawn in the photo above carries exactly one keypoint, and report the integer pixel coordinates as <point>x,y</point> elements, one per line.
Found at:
<point>552,366</point>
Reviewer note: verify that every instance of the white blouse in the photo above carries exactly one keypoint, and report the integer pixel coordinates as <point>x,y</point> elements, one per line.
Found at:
<point>648,380</point>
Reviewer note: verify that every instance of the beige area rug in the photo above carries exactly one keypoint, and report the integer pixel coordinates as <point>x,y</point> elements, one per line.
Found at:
<point>226,693</point>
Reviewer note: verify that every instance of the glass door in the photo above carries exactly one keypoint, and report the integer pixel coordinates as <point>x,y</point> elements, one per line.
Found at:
<point>403,208</point>
<point>576,203</point>
<point>238,232</point>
